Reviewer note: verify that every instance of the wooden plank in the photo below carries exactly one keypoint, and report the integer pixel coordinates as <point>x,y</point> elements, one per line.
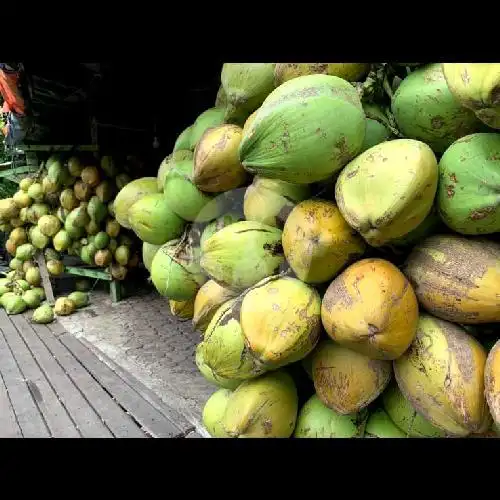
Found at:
<point>56,328</point>
<point>120,424</point>
<point>54,413</point>
<point>149,417</point>
<point>9,428</point>
<point>177,419</point>
<point>83,415</point>
<point>44,273</point>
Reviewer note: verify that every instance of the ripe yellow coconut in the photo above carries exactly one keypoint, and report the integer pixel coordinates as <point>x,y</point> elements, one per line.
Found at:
<point>351,72</point>
<point>318,242</point>
<point>345,380</point>
<point>442,375</point>
<point>217,166</point>
<point>372,309</point>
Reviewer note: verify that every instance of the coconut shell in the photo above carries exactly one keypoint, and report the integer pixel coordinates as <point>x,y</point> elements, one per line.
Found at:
<point>345,380</point>
<point>103,258</point>
<point>442,375</point>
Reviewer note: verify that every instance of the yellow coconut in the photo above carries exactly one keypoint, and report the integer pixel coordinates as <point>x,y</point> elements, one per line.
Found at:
<point>213,413</point>
<point>442,375</point>
<point>345,380</point>
<point>8,209</point>
<point>492,382</point>
<point>82,191</point>
<point>217,166</point>
<point>22,199</point>
<point>64,306</point>
<point>249,121</point>
<point>265,407</point>
<point>11,247</point>
<point>112,228</point>
<point>18,236</point>
<point>456,278</point>
<point>25,183</point>
<point>379,213</point>
<point>372,309</point>
<point>318,242</point>
<point>90,176</point>
<point>351,72</point>
<point>208,299</point>
<point>182,309</point>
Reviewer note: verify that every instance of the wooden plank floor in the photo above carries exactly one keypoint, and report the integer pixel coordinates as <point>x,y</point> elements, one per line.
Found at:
<point>53,385</point>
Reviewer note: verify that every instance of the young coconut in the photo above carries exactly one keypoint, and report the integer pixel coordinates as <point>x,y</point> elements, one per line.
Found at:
<point>112,228</point>
<point>118,271</point>
<point>352,72</point>
<point>80,299</point>
<point>13,304</point>
<point>105,191</point>
<point>182,309</point>
<point>217,166</point>
<point>270,201</point>
<point>362,379</point>
<point>33,276</point>
<point>49,225</point>
<point>61,241</point>
<point>372,309</point>
<point>64,306</point>
<point>35,192</point>
<point>18,236</point>
<point>11,247</point>
<point>209,375</point>
<point>31,298</point>
<point>131,193</point>
<point>22,199</point>
<point>442,375</point>
<point>148,253</point>
<point>83,192</point>
<point>210,118</point>
<point>75,166</point>
<point>103,258</point>
<point>25,183</point>
<point>25,252</point>
<point>169,162</point>
<point>218,224</point>
<point>213,413</point>
<point>183,141</point>
<point>90,176</point>
<point>318,242</point>
<point>379,425</point>
<point>315,420</point>
<point>55,267</point>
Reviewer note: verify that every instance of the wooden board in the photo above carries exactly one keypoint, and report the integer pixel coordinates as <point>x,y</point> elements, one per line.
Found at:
<point>44,273</point>
<point>9,428</point>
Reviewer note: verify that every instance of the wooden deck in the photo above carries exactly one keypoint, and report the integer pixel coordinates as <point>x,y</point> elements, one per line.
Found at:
<point>54,385</point>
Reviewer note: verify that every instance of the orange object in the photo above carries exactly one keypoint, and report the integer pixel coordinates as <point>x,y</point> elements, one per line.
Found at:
<point>13,100</point>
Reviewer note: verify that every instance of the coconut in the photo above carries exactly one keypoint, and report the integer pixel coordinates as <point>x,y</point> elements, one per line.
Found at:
<point>148,253</point>
<point>33,276</point>
<point>492,382</point>
<point>18,236</point>
<point>451,290</point>
<point>109,166</point>
<point>378,214</point>
<point>425,109</point>
<point>43,314</point>
<point>35,192</point>
<point>113,245</point>
<point>218,224</point>
<point>217,167</point>
<point>36,211</point>
<point>442,375</point>
<point>92,228</point>
<point>25,183</point>
<point>131,193</point>
<point>210,118</point>
<point>31,299</point>
<point>209,375</point>
<point>240,255</point>
<point>81,299</point>
<point>265,407</point>
<point>11,247</point>
<point>49,225</point>
<point>75,248</point>
<point>379,425</point>
<point>249,121</point>
<point>75,166</point>
<point>122,180</point>
<point>118,271</point>
<point>51,254</point>
<point>352,72</point>
<point>28,264</point>
<point>246,85</point>
<point>68,199</point>
<point>64,306</point>
<point>183,309</point>
<point>169,162</point>
<point>97,210</point>
<point>87,253</point>
<point>362,379</point>
<point>55,267</point>
<point>175,271</point>
<point>372,309</point>
<point>8,209</point>
<point>270,201</point>
<point>221,98</point>
<point>112,228</point>
<point>213,412</point>
<point>183,141</point>
<point>185,199</point>
<point>208,300</point>
<point>22,285</point>
<point>315,420</point>
<point>105,191</point>
<point>13,304</point>
<point>467,196</point>
<point>73,221</point>
<point>376,127</point>
<point>432,224</point>
<point>475,86</point>
<point>103,258</point>
<point>82,191</point>
<point>101,240</point>
<point>25,252</point>
<point>61,214</point>
<point>122,255</point>
<point>90,176</point>
<point>318,242</point>
<point>153,221</point>
<point>404,415</point>
<point>22,199</point>
<point>313,125</point>
<point>49,186</point>
<point>61,241</point>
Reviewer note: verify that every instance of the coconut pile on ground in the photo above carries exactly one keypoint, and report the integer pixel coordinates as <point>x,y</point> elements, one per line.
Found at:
<point>330,229</point>
<point>67,207</point>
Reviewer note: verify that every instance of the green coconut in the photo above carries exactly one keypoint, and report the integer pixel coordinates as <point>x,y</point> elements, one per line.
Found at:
<point>80,216</point>
<point>49,225</point>
<point>270,201</point>
<point>469,176</point>
<point>81,299</point>
<point>112,228</point>
<point>209,375</point>
<point>376,130</point>
<point>25,252</point>
<point>68,199</point>
<point>22,284</point>
<point>122,255</point>
<point>61,241</point>
<point>380,425</point>
<point>87,253</point>
<point>218,224</point>
<point>131,193</point>
<point>55,267</point>
<point>40,291</point>
<point>183,141</point>
<point>13,304</point>
<point>105,191</point>
<point>305,131</point>
<point>315,420</point>
<point>72,226</point>
<point>402,413</point>
<point>210,118</point>
<point>25,183</point>
<point>243,253</point>
<point>39,239</point>
<point>153,221</point>
<point>245,85</point>
<point>35,192</point>
<point>51,254</point>
<point>175,271</point>
<point>61,214</point>
<point>75,166</point>
<point>36,211</point>
<point>43,314</point>
<point>97,210</point>
<point>33,276</point>
<point>109,166</point>
<point>185,199</point>
<point>169,162</point>
<point>7,296</point>
<point>92,228</point>
<point>148,253</point>
<point>101,240</point>
<point>31,298</point>
<point>425,109</point>
<point>213,412</point>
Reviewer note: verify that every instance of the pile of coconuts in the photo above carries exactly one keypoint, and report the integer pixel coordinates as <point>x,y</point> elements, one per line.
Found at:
<point>67,208</point>
<point>331,230</point>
